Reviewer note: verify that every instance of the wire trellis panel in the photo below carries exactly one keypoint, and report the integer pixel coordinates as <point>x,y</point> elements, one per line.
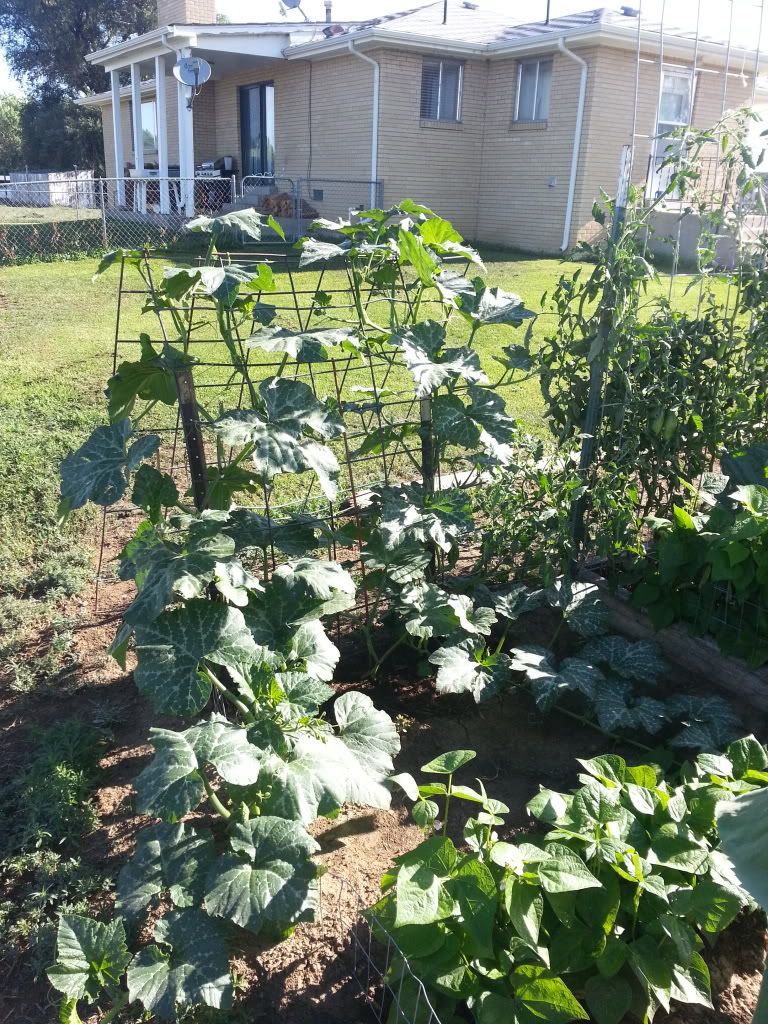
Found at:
<point>351,931</point>
<point>354,384</point>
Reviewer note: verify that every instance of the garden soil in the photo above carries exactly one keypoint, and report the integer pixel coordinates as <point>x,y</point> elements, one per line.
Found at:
<point>314,976</point>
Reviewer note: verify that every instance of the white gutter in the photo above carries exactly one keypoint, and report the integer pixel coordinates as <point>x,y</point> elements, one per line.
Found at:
<point>576,140</point>
<point>374,117</point>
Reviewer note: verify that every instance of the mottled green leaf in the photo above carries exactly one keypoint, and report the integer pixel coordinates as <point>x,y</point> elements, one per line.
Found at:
<point>170,650</point>
<point>195,969</point>
<point>172,858</point>
<point>99,470</point>
<point>268,877</point>
<point>88,955</point>
<point>465,668</point>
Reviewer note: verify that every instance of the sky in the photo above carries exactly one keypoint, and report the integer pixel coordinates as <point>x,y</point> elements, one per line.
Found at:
<point>713,15</point>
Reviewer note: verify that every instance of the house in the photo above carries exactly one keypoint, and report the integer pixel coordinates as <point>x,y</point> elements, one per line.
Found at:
<point>509,130</point>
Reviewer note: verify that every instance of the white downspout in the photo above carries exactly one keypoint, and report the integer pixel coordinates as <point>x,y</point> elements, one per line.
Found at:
<point>576,140</point>
<point>374,118</point>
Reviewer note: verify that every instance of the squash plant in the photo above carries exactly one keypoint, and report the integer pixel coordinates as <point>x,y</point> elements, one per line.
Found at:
<point>239,652</point>
<point>241,656</point>
<point>603,914</point>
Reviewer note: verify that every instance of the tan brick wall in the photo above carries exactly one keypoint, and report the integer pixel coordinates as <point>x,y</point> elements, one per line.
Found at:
<point>518,206</point>
<point>186,12</point>
<point>487,175</point>
<point>435,164</point>
<point>334,143</point>
<point>610,115</point>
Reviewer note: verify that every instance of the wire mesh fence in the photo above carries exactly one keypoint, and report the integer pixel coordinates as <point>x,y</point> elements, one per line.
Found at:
<point>52,217</point>
<point>356,937</point>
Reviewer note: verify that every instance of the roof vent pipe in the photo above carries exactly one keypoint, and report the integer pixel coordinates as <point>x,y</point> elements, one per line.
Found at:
<point>630,12</point>
<point>328,9</point>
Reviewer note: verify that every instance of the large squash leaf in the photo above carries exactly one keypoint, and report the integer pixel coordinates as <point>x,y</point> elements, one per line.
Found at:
<point>99,470</point>
<point>190,966</point>
<point>168,858</point>
<point>89,955</point>
<point>172,784</point>
<point>268,877</point>
<point>170,650</point>
<point>432,365</point>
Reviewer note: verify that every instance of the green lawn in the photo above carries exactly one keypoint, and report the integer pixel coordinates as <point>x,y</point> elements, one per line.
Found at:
<point>10,214</point>
<point>56,337</point>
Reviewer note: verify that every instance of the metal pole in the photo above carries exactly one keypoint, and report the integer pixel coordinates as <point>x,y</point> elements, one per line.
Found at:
<point>193,437</point>
<point>105,237</point>
<point>427,447</point>
<point>594,411</point>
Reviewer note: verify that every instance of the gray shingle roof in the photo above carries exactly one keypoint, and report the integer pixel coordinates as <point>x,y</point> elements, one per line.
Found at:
<point>488,27</point>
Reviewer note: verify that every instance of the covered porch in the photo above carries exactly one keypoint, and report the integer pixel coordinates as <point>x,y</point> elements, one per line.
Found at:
<point>162,123</point>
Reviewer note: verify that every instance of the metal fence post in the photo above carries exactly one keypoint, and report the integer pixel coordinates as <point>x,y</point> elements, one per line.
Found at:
<point>193,437</point>
<point>594,410</point>
<point>427,446</point>
<point>102,186</point>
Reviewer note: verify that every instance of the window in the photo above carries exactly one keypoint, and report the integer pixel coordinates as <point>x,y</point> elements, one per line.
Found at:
<point>533,87</point>
<point>675,102</point>
<point>441,85</point>
<point>149,125</point>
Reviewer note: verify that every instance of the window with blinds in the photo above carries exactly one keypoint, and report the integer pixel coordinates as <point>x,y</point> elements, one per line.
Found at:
<point>534,82</point>
<point>441,85</point>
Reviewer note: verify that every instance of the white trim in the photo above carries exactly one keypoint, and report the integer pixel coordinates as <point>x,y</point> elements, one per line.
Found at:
<point>374,117</point>
<point>104,99</point>
<point>138,127</point>
<point>117,136</point>
<point>186,142</point>
<point>162,133</point>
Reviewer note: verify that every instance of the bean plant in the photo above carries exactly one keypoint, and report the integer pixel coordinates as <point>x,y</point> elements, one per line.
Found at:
<point>602,912</point>
<point>710,567</point>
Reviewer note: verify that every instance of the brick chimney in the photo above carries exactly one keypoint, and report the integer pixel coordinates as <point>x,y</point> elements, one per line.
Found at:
<point>186,12</point>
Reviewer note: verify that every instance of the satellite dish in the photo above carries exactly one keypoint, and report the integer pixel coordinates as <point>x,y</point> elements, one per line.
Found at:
<point>192,71</point>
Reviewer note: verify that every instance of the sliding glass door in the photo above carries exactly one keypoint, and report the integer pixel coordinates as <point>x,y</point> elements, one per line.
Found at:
<point>257,128</point>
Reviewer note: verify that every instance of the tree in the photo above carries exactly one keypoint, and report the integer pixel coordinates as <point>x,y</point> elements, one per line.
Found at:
<point>47,42</point>
<point>10,131</point>
<point>58,135</point>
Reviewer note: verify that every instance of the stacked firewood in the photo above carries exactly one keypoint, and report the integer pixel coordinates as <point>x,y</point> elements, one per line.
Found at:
<point>282,204</point>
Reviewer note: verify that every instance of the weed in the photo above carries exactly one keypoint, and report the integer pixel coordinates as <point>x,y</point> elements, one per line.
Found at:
<point>39,886</point>
<point>49,803</point>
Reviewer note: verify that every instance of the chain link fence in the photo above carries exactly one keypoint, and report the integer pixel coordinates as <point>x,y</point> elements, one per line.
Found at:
<point>57,217</point>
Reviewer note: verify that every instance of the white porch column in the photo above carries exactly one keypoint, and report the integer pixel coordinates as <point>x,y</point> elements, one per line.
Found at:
<point>186,143</point>
<point>117,136</point>
<point>139,189</point>
<point>162,133</point>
